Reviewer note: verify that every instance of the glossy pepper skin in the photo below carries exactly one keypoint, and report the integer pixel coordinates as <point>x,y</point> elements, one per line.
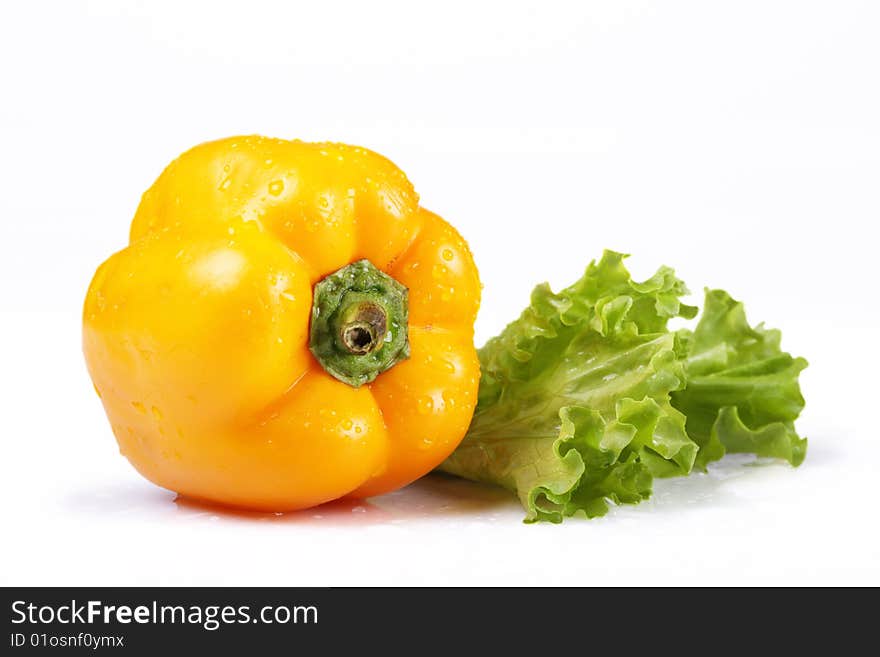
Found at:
<point>197,334</point>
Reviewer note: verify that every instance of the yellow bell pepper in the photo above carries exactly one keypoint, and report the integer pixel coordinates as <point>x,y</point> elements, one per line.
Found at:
<point>286,327</point>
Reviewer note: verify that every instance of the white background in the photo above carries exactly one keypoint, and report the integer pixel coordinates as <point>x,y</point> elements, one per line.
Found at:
<point>736,141</point>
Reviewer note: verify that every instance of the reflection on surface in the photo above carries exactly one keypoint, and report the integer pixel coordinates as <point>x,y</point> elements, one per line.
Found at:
<point>339,512</point>
<point>443,497</point>
<point>435,496</point>
<point>707,489</point>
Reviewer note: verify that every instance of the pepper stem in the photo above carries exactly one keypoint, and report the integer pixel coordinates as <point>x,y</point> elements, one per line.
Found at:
<point>359,323</point>
<point>359,339</point>
<point>364,326</point>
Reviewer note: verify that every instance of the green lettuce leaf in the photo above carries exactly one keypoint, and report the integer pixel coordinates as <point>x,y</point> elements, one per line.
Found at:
<point>587,397</point>
<point>574,405</point>
<point>742,392</point>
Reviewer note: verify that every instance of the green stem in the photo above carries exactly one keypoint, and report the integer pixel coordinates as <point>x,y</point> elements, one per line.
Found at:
<point>359,323</point>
